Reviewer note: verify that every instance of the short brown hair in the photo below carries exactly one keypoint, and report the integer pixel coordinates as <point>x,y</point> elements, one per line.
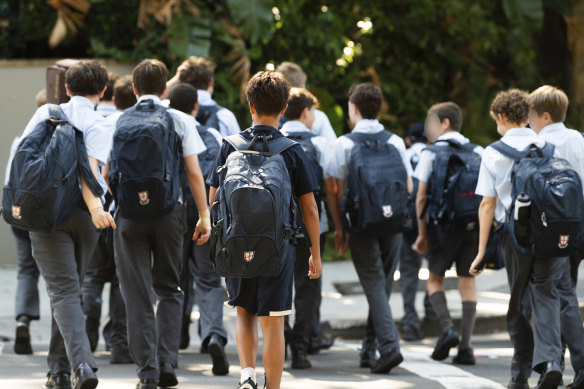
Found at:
<point>513,104</point>
<point>86,78</point>
<point>112,77</point>
<point>268,92</point>
<point>448,110</point>
<point>149,77</point>
<point>293,73</point>
<point>124,96</point>
<point>183,97</point>
<point>549,99</point>
<point>368,98</point>
<point>199,73</point>
<point>298,101</point>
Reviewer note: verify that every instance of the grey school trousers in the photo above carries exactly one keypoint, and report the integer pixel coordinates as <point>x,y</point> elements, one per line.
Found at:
<point>375,259</point>
<point>148,255</point>
<point>532,348</point>
<point>62,258</point>
<point>27,291</point>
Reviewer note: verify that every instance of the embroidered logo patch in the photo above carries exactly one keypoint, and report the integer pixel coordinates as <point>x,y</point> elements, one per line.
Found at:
<point>387,211</point>
<point>563,241</point>
<point>144,198</point>
<point>249,256</point>
<point>16,212</point>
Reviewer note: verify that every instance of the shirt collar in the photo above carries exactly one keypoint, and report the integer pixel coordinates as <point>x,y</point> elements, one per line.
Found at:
<point>154,98</point>
<point>294,126</point>
<point>553,127</point>
<point>204,97</point>
<point>80,101</point>
<point>515,132</point>
<point>368,126</point>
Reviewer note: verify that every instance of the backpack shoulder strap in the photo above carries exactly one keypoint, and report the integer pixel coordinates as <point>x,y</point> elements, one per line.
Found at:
<point>238,142</point>
<point>56,111</point>
<point>201,128</point>
<point>548,150</point>
<point>280,145</point>
<point>301,135</point>
<point>507,150</point>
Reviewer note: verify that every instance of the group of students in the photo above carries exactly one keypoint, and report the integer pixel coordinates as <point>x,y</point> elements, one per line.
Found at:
<point>188,198</point>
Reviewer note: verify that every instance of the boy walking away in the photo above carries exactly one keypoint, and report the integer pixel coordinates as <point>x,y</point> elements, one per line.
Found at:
<point>262,175</point>
<point>411,260</point>
<point>300,116</point>
<point>198,72</point>
<point>149,145</point>
<point>197,264</point>
<point>446,206</point>
<point>102,268</point>
<point>106,104</point>
<point>548,108</point>
<point>63,241</point>
<point>519,175</point>
<point>374,178</point>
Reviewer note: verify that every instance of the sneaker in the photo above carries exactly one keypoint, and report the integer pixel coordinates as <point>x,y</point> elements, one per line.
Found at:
<point>248,384</point>
<point>22,342</point>
<point>448,340</point>
<point>465,357</point>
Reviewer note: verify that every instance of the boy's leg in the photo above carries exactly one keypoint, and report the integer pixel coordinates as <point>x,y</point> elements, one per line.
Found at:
<point>27,292</point>
<point>273,349</point>
<point>246,338</point>
<point>62,259</point>
<point>409,268</point>
<point>186,284</point>
<point>572,330</point>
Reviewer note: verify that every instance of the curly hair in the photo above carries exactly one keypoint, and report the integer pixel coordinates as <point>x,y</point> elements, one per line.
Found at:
<point>513,104</point>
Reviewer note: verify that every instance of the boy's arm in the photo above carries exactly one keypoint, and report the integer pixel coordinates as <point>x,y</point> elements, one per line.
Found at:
<point>174,80</point>
<point>421,244</point>
<point>311,221</point>
<point>197,185</point>
<point>99,217</point>
<point>486,214</point>
<point>212,192</point>
<point>334,195</point>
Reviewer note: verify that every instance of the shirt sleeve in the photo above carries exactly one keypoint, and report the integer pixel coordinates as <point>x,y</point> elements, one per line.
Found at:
<point>424,167</point>
<point>41,114</point>
<point>320,144</point>
<point>213,178</point>
<point>401,147</point>
<point>228,124</point>
<point>98,140</point>
<point>322,126</point>
<point>185,127</point>
<point>337,163</point>
<point>486,183</point>
<point>301,174</point>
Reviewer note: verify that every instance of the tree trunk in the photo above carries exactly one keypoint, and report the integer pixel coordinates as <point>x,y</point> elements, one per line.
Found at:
<point>575,32</point>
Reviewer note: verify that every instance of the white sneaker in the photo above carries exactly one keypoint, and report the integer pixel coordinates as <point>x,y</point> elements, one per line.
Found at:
<point>248,384</point>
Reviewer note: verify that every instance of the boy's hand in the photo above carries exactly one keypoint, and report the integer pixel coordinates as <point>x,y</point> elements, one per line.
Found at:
<point>421,245</point>
<point>314,267</point>
<point>203,228</point>
<point>102,219</point>
<point>341,246</point>
<point>474,267</point>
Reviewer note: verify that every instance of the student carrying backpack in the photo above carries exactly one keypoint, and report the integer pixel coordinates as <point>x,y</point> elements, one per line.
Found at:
<point>547,209</point>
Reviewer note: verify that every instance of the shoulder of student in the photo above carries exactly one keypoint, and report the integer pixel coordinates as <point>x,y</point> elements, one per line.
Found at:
<point>228,119</point>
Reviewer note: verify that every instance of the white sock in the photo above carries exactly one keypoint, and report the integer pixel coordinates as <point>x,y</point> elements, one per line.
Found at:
<point>248,372</point>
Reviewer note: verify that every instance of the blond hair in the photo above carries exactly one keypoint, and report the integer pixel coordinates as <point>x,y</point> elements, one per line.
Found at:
<point>549,99</point>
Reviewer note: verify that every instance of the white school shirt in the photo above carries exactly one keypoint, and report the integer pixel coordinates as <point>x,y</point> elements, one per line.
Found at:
<point>413,153</point>
<point>322,127</point>
<point>320,144</point>
<point>338,163</point>
<point>495,174</point>
<point>105,110</point>
<point>80,112</point>
<point>424,167</point>
<point>228,124</point>
<point>569,145</point>
<point>13,148</point>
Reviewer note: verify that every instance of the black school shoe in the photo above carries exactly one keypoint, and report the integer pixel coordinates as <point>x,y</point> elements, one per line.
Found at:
<point>518,383</point>
<point>85,377</point>
<point>167,377</point>
<point>58,381</point>
<point>411,333</point>
<point>465,357</point>
<point>448,340</point>
<point>300,360</point>
<point>551,377</point>
<point>22,344</point>
<point>387,362</point>
<point>248,384</point>
<point>217,351</point>
<point>578,382</point>
<point>147,383</point>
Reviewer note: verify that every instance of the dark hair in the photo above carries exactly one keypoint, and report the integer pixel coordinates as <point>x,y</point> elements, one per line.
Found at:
<point>513,104</point>
<point>199,72</point>
<point>149,77</point>
<point>367,98</point>
<point>124,96</point>
<point>268,92</point>
<point>450,111</point>
<point>86,78</point>
<point>299,100</point>
<point>183,97</point>
<point>112,77</point>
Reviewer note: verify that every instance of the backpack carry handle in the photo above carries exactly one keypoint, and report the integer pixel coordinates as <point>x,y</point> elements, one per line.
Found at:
<point>266,147</point>
<point>141,105</point>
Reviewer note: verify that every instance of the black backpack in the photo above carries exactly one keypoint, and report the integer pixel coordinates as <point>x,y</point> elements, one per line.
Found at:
<point>43,186</point>
<point>207,116</point>
<point>556,224</point>
<point>376,193</point>
<point>145,162</point>
<point>304,138</point>
<point>452,201</point>
<point>206,162</point>
<point>253,209</point>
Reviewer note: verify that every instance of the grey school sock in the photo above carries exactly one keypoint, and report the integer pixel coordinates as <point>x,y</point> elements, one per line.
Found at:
<point>438,301</point>
<point>469,313</point>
